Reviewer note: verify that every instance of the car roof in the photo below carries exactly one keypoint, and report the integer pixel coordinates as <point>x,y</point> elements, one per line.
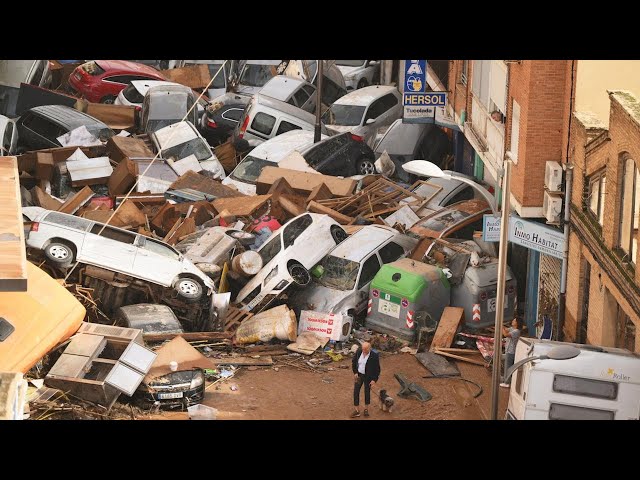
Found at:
<point>357,246</point>
<point>281,86</point>
<point>402,138</point>
<point>364,96</point>
<point>284,107</point>
<point>175,134</point>
<point>323,139</point>
<point>143,85</point>
<point>175,88</point>
<point>277,147</point>
<point>66,116</point>
<point>448,217</point>
<point>125,66</point>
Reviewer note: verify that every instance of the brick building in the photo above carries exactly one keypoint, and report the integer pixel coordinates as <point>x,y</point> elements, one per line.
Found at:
<point>603,295</point>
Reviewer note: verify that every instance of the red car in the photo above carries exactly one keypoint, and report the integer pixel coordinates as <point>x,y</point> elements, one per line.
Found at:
<point>102,80</point>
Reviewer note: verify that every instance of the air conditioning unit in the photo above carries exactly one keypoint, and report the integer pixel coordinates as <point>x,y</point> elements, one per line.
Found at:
<point>552,207</point>
<point>553,177</point>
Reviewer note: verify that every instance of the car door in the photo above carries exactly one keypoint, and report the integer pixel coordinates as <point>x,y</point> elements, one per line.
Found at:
<point>284,126</point>
<point>155,261</point>
<point>368,271</point>
<point>110,248</point>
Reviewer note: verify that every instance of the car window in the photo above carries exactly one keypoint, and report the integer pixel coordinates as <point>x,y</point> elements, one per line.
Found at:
<point>44,127</point>
<point>347,115</point>
<point>295,229</point>
<point>6,139</point>
<point>339,273</point>
<point>124,79</point>
<point>263,123</point>
<point>331,91</point>
<point>68,220</point>
<point>465,194</point>
<point>113,234</point>
<point>287,127</point>
<point>390,252</point>
<point>159,248</point>
<point>324,149</point>
<point>232,114</point>
<point>196,146</point>
<point>310,89</point>
<point>389,101</point>
<point>301,97</point>
<point>249,169</point>
<point>466,232</point>
<point>376,109</point>
<point>257,75</point>
<point>139,77</point>
<point>132,94</point>
<point>369,270</point>
<point>270,249</point>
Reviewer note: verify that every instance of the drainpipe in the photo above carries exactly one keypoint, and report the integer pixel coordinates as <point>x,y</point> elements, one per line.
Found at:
<point>562,298</point>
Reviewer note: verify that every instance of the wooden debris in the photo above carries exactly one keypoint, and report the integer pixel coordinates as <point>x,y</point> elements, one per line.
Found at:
<point>241,207</point>
<point>188,336</point>
<point>73,203</point>
<point>447,328</point>
<point>227,156</point>
<point>320,192</point>
<point>44,200</point>
<point>245,361</point>
<point>447,353</point>
<point>316,207</point>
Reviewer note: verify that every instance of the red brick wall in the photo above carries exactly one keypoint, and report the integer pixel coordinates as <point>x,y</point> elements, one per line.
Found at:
<point>457,90</point>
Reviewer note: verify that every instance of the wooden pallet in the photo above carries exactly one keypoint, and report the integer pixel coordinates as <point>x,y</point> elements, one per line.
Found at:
<point>380,198</point>
<point>234,317</point>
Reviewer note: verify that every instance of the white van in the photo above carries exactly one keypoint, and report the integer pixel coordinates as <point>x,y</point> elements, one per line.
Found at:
<point>601,383</point>
<point>268,153</point>
<point>265,117</point>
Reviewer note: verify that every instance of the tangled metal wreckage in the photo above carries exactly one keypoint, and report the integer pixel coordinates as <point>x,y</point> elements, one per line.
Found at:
<point>133,277</point>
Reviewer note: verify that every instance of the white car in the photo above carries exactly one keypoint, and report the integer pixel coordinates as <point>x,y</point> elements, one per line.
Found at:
<point>364,111</point>
<point>133,94</point>
<point>359,73</point>
<point>268,153</point>
<point>181,140</point>
<point>66,238</point>
<point>287,256</point>
<point>349,268</point>
<point>8,135</point>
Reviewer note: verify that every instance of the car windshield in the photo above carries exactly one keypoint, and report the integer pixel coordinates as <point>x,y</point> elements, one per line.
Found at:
<point>195,146</point>
<point>132,94</point>
<point>444,220</point>
<point>347,115</point>
<point>155,125</point>
<point>218,81</point>
<point>257,75</point>
<point>249,169</point>
<point>163,106</point>
<point>350,63</point>
<point>339,273</point>
<point>92,68</point>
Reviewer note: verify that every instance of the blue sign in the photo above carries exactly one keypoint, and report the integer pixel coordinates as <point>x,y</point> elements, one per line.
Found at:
<point>415,76</point>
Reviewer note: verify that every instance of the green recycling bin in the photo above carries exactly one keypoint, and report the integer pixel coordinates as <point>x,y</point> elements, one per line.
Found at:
<point>400,290</point>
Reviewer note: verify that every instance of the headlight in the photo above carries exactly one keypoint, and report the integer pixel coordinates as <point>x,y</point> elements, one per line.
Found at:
<point>272,274</point>
<point>196,381</point>
<point>281,284</point>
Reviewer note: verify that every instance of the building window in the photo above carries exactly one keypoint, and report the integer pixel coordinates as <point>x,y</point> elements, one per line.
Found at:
<point>597,191</point>
<point>515,130</point>
<point>465,72</point>
<point>585,387</point>
<point>629,210</point>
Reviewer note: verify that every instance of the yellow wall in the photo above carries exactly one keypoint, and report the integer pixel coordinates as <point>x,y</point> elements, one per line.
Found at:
<point>595,77</point>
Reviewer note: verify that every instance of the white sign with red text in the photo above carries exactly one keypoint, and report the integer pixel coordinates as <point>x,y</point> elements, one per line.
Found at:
<point>323,324</point>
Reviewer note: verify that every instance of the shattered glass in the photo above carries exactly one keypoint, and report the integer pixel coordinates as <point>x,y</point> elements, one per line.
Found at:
<point>193,147</point>
<point>339,273</point>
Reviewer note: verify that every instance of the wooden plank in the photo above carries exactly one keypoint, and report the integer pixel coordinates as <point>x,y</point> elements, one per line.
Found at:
<point>44,200</point>
<point>459,357</point>
<point>13,253</point>
<point>382,212</point>
<point>187,227</point>
<point>462,351</point>
<point>245,361</point>
<point>241,207</point>
<point>302,182</point>
<point>188,336</point>
<point>173,229</point>
<point>290,207</point>
<point>338,217</point>
<point>447,327</point>
<point>204,184</point>
<point>72,204</point>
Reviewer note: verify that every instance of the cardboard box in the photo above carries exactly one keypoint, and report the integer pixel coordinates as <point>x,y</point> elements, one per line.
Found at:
<point>304,183</point>
<point>117,117</point>
<point>196,76</point>
<point>123,177</point>
<point>44,166</point>
<point>119,148</point>
<point>92,171</point>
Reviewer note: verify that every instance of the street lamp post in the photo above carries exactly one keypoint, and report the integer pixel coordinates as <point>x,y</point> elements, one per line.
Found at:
<point>318,129</point>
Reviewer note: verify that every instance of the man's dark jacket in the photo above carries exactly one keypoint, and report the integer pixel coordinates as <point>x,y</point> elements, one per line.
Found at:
<point>372,367</point>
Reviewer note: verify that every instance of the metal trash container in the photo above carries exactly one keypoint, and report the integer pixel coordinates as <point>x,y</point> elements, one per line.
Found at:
<point>476,293</point>
<point>401,289</point>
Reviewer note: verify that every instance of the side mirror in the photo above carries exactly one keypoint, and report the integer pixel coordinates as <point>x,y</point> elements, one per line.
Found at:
<point>370,121</point>
<point>373,63</point>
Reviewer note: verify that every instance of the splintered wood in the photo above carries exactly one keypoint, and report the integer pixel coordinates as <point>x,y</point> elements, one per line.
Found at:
<point>234,317</point>
<point>382,197</point>
<point>13,255</point>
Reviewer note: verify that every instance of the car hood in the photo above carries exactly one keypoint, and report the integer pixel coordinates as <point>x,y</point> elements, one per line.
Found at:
<point>319,298</point>
<point>337,129</point>
<point>348,70</point>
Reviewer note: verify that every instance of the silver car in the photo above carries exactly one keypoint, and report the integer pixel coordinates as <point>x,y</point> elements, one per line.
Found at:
<point>66,238</point>
<point>347,271</point>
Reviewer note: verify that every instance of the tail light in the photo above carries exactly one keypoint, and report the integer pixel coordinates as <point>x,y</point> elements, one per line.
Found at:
<point>212,124</point>
<point>245,124</point>
<point>138,108</point>
<point>483,296</point>
<point>357,138</point>
<point>34,227</point>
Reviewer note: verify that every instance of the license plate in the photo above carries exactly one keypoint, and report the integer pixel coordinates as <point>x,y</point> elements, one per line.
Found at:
<point>164,396</point>
<point>491,304</point>
<point>388,308</point>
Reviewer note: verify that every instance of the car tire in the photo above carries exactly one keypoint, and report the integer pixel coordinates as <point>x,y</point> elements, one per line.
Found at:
<point>300,275</point>
<point>244,238</point>
<point>365,166</point>
<point>189,289</point>
<point>363,83</point>
<point>338,234</point>
<point>59,252</point>
<point>108,99</point>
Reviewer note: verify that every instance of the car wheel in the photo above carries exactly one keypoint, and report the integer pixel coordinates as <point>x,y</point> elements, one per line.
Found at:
<point>245,238</point>
<point>338,234</point>
<point>189,289</point>
<point>109,99</point>
<point>59,253</point>
<point>363,83</point>
<point>366,167</point>
<point>300,275</point>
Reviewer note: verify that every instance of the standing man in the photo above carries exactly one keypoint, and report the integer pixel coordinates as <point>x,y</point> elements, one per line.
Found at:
<point>512,335</point>
<point>366,370</point>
